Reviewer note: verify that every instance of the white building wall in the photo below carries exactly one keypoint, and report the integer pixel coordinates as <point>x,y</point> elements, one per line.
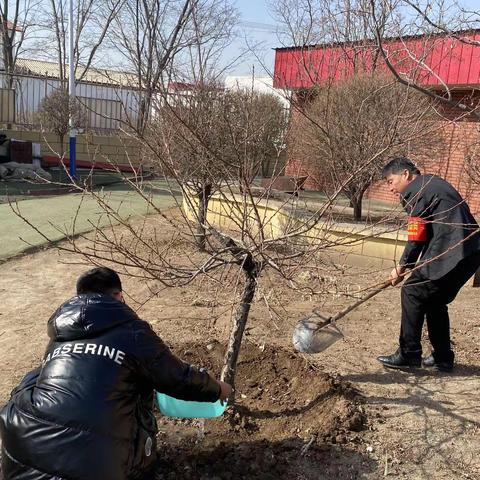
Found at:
<point>105,104</point>
<point>259,84</point>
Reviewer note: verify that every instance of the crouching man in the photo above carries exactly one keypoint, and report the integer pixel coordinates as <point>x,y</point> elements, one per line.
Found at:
<point>87,412</point>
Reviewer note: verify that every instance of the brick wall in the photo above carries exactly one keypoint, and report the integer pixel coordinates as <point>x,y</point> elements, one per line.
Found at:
<point>458,132</point>
<point>449,163</point>
<point>299,168</point>
<point>299,163</point>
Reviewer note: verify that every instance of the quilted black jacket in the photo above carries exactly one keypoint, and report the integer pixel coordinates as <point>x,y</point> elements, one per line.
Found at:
<point>86,413</point>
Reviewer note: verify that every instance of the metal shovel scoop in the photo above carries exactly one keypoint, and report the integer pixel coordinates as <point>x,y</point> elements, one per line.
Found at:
<point>317,331</point>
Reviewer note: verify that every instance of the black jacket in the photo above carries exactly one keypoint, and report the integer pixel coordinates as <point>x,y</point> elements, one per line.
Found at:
<point>452,232</point>
<point>86,413</point>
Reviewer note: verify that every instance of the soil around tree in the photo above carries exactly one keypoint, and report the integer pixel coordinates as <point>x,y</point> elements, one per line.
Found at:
<point>286,415</point>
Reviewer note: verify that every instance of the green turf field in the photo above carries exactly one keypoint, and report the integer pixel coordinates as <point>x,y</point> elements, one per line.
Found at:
<point>56,215</point>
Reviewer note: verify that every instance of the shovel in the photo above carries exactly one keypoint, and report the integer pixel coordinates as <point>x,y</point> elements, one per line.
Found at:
<point>317,331</point>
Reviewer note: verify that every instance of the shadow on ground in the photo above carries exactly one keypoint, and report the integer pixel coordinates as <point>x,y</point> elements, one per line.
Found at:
<point>264,460</point>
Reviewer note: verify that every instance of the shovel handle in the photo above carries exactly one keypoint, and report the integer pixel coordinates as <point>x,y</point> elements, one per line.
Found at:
<point>348,309</point>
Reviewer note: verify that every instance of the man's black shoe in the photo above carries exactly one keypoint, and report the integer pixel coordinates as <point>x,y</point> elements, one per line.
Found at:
<point>430,362</point>
<point>397,360</point>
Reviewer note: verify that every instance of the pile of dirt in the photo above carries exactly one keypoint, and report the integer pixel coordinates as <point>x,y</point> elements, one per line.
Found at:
<point>286,410</point>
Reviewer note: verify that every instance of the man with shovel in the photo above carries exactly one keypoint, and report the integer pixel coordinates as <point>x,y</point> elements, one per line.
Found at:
<point>443,252</point>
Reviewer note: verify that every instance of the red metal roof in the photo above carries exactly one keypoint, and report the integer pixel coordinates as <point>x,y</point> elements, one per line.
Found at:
<point>429,61</point>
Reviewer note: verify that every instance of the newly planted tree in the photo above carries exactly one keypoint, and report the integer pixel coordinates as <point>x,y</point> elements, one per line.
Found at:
<point>347,122</point>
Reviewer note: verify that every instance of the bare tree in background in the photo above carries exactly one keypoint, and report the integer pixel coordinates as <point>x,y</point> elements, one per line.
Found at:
<point>434,21</point>
<point>302,22</point>
<point>55,112</point>
<point>148,35</point>
<point>390,36</point>
<point>17,21</point>
<point>370,26</point>
<point>351,120</point>
<point>198,138</point>
<point>307,23</point>
<point>93,18</point>
<point>211,30</point>
<point>173,41</point>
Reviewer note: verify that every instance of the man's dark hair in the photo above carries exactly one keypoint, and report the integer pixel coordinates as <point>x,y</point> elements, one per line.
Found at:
<point>99,280</point>
<point>398,165</point>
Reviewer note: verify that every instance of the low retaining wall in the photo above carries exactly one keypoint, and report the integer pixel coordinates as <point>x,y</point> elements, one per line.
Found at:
<point>351,243</point>
<point>91,149</point>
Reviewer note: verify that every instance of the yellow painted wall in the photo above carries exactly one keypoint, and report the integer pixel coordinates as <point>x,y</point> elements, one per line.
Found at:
<point>118,150</point>
<point>356,243</point>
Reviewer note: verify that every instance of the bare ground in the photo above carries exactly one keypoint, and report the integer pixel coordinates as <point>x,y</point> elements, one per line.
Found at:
<point>338,414</point>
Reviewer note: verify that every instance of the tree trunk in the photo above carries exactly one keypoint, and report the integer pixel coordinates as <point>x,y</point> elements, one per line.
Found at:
<point>239,323</point>
<point>266,168</point>
<point>203,198</point>
<point>144,110</point>
<point>357,208</point>
<point>10,87</point>
<point>9,69</point>
<point>356,200</point>
<point>62,152</point>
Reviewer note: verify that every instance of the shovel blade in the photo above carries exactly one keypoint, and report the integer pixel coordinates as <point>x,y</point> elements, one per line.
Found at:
<point>308,337</point>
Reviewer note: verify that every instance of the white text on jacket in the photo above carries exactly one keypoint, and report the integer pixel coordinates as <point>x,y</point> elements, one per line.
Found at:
<point>87,348</point>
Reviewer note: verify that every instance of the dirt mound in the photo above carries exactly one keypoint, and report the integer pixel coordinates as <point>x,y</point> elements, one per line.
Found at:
<point>285,408</point>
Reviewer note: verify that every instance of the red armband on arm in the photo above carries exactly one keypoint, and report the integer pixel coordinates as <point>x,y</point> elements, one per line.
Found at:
<point>417,229</point>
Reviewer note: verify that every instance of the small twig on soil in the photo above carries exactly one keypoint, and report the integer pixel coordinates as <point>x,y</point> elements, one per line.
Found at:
<point>385,472</point>
<point>305,448</point>
<point>270,310</point>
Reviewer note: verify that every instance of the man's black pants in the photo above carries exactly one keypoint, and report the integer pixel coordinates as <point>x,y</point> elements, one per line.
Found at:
<point>423,298</point>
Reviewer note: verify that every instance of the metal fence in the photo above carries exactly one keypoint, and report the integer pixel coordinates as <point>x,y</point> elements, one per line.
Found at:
<point>106,106</point>
<point>7,105</point>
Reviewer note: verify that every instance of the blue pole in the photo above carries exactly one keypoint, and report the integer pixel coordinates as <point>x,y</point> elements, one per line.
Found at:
<point>71,92</point>
<point>73,155</point>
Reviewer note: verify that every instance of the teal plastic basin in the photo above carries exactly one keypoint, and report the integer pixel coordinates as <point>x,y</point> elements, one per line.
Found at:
<point>173,407</point>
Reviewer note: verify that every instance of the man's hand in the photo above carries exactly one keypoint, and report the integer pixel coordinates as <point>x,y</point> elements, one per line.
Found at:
<point>396,275</point>
<point>225,390</point>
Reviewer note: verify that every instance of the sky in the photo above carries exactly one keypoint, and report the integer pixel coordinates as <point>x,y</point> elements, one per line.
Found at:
<point>257,30</point>
<point>258,37</point>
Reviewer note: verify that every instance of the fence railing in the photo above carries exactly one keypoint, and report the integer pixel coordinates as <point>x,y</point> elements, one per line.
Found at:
<point>106,106</point>
<point>7,105</point>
